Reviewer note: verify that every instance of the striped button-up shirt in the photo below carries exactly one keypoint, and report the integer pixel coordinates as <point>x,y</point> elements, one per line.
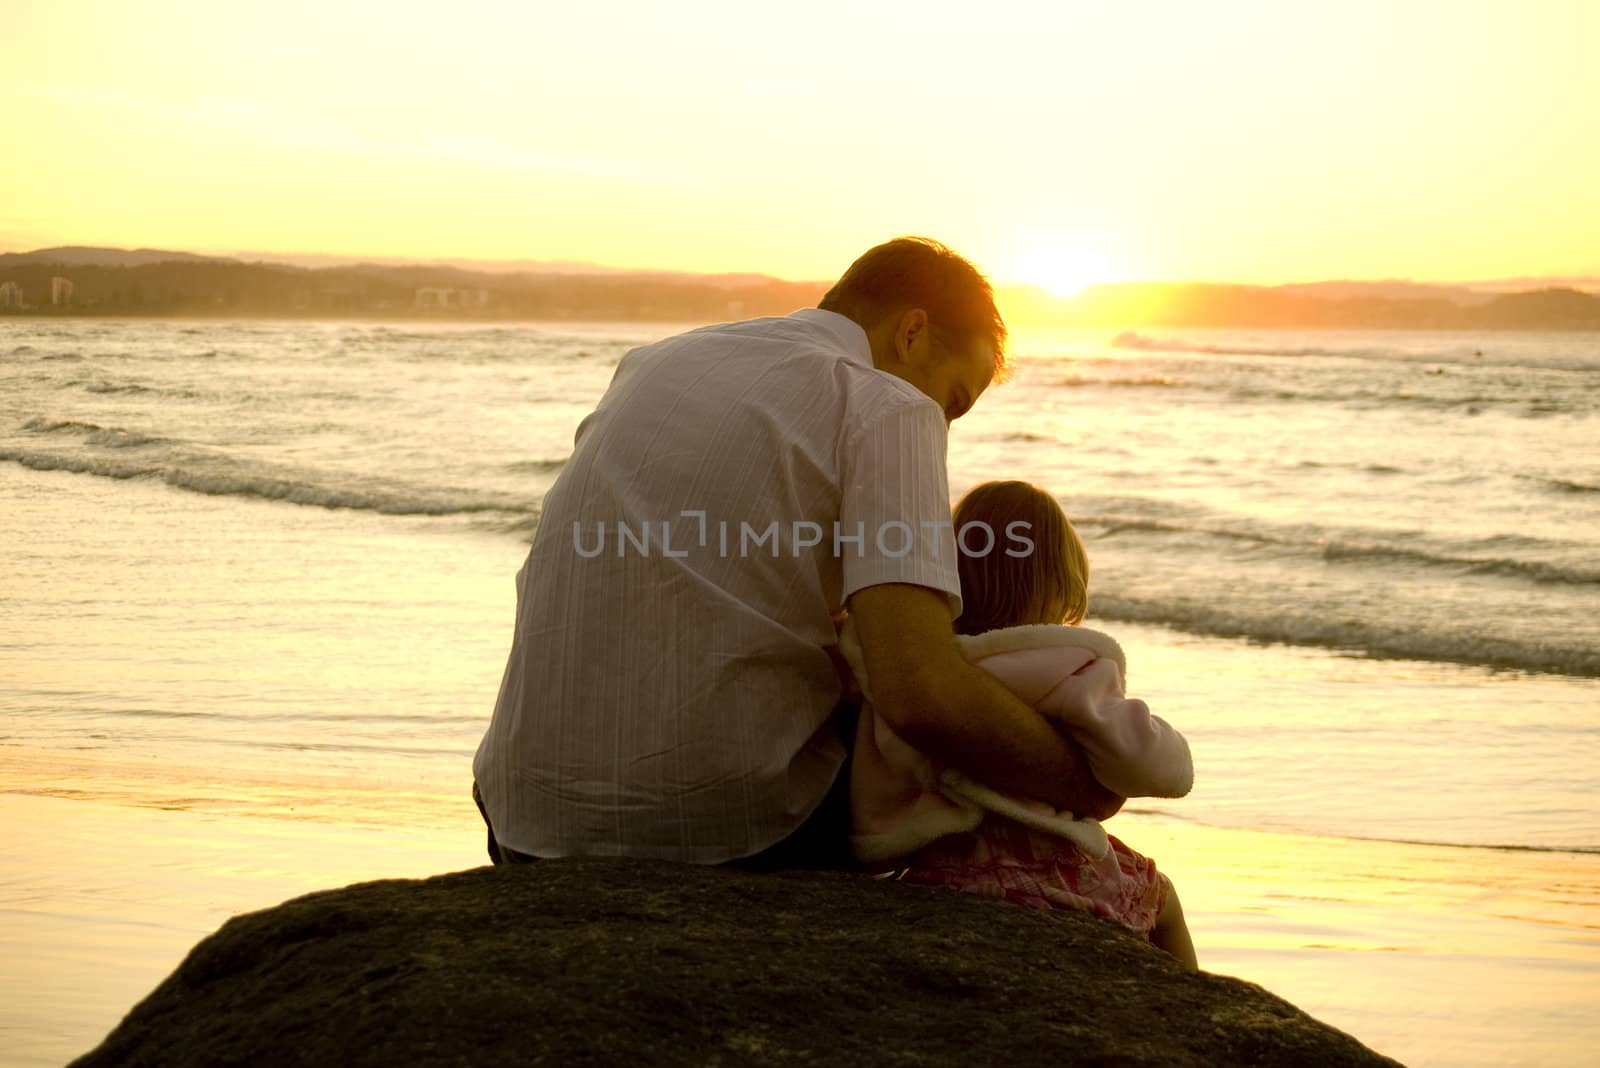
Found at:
<point>668,693</point>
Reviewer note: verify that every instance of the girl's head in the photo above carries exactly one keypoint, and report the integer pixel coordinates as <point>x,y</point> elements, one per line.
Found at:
<point>1048,583</point>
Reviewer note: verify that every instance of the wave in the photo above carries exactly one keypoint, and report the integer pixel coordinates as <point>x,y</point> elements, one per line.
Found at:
<point>130,389</point>
<point>123,439</point>
<point>1528,569</point>
<point>1130,339</point>
<point>41,425</point>
<point>1526,404</point>
<point>1342,549</point>
<point>1474,404</point>
<point>1137,381</point>
<point>1362,638</point>
<point>1371,469</point>
<point>228,480</point>
<point>114,387</point>
<point>94,434</point>
<point>1496,847</point>
<point>445,332</point>
<point>535,467</point>
<point>523,526</point>
<point>1560,485</point>
<point>167,713</point>
<point>1467,353</point>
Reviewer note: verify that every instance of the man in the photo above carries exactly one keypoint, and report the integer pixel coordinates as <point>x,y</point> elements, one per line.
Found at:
<point>669,691</point>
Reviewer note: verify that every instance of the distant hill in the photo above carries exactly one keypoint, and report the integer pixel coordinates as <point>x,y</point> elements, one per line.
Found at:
<point>85,256</point>
<point>1208,305</point>
<point>121,282</point>
<point>495,267</point>
<point>1553,309</point>
<point>1584,283</point>
<point>150,282</point>
<point>1391,290</point>
<point>315,260</point>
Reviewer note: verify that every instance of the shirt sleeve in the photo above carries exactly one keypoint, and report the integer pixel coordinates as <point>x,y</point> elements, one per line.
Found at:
<point>894,512</point>
<point>1132,752</point>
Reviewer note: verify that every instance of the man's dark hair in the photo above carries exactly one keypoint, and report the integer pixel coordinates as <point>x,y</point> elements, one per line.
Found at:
<point>918,272</point>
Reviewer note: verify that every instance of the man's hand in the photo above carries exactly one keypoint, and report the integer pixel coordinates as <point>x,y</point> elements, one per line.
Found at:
<point>959,715</point>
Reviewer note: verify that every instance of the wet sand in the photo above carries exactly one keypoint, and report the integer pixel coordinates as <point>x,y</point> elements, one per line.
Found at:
<point>1422,952</point>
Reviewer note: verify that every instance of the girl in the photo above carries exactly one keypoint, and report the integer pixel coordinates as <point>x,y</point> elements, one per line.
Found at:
<point>945,830</point>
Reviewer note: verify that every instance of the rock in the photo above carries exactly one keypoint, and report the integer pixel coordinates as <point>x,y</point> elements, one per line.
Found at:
<point>603,962</point>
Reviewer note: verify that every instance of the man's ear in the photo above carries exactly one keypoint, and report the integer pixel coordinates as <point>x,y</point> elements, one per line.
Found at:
<point>911,337</point>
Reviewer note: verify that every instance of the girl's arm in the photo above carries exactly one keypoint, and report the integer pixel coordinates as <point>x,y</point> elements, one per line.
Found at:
<point>1132,752</point>
<point>963,718</point>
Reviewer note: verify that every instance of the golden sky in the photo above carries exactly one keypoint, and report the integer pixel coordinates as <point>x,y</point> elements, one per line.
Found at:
<point>1054,142</point>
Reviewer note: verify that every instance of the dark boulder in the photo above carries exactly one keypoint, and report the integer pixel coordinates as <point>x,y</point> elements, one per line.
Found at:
<point>602,962</point>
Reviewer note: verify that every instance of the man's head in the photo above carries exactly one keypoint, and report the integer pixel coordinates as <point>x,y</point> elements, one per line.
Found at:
<point>929,316</point>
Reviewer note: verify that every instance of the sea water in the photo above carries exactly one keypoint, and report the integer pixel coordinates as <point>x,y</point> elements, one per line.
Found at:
<point>1428,501</point>
<point>265,569</point>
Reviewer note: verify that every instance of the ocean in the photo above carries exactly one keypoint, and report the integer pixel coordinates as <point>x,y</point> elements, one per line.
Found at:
<point>264,570</point>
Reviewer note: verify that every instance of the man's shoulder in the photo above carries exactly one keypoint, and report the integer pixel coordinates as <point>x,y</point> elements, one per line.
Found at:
<point>807,349</point>
<point>808,328</point>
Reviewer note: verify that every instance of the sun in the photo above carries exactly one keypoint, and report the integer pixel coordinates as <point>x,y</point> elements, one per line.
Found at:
<point>1063,270</point>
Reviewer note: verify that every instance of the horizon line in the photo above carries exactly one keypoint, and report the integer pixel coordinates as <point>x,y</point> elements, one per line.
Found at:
<point>525,264</point>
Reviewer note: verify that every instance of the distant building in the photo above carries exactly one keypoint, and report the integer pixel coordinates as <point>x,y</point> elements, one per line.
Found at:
<point>445,297</point>
<point>10,295</point>
<point>338,298</point>
<point>60,291</point>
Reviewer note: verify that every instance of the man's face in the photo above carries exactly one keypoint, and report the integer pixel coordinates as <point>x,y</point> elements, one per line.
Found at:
<point>953,375</point>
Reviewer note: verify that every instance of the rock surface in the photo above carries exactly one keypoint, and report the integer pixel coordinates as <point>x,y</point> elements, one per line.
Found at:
<point>604,962</point>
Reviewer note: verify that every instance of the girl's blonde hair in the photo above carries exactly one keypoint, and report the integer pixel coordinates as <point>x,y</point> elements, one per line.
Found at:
<point>1049,584</point>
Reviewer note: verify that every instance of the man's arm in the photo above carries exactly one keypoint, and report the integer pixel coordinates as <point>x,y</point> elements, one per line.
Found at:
<point>960,715</point>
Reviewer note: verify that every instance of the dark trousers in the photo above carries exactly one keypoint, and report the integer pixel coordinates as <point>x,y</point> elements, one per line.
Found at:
<point>498,854</point>
<point>822,842</point>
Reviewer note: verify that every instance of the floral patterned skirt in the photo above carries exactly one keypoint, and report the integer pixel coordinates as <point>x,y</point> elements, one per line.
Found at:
<point>1004,859</point>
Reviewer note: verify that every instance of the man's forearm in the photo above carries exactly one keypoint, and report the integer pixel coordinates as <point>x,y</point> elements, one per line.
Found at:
<point>962,716</point>
<point>971,723</point>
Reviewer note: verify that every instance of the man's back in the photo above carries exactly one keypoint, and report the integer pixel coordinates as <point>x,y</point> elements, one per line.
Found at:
<point>667,692</point>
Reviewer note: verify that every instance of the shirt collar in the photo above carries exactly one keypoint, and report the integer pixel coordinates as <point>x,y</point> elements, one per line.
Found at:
<point>846,332</point>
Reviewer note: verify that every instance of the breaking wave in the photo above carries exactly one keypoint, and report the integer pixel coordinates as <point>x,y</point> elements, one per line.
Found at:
<point>1336,549</point>
<point>1366,638</point>
<point>224,478</point>
<point>93,434</point>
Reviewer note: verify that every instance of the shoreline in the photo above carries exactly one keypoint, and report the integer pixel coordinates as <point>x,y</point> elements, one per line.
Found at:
<point>1504,952</point>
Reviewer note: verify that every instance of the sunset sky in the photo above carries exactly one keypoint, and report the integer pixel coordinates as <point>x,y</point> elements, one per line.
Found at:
<point>1053,142</point>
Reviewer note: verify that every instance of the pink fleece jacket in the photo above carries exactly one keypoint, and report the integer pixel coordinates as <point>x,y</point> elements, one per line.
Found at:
<point>1073,676</point>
